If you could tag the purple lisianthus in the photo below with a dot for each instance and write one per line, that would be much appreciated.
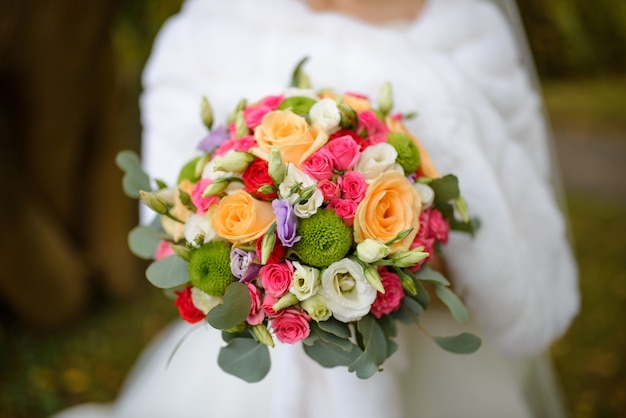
(286, 222)
(214, 139)
(241, 265)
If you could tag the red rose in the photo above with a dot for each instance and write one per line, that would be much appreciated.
(257, 175)
(391, 300)
(186, 308)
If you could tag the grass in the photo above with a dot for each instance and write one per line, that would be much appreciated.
(44, 372)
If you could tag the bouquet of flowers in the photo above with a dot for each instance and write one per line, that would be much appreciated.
(309, 217)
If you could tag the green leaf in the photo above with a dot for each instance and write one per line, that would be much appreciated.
(168, 272)
(412, 306)
(446, 188)
(422, 297)
(388, 325)
(426, 274)
(318, 334)
(374, 345)
(452, 301)
(299, 105)
(330, 355)
(245, 359)
(464, 343)
(335, 327)
(234, 310)
(135, 178)
(229, 336)
(144, 240)
(447, 210)
(188, 172)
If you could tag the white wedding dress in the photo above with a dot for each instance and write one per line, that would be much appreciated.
(479, 117)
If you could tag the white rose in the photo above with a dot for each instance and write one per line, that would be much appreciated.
(204, 302)
(317, 308)
(348, 294)
(198, 225)
(305, 281)
(427, 194)
(375, 160)
(325, 114)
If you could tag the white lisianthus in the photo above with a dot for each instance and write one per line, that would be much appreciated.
(305, 281)
(372, 250)
(198, 225)
(375, 160)
(325, 114)
(348, 294)
(203, 301)
(307, 208)
(317, 308)
(427, 194)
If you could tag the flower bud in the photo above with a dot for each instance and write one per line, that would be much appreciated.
(262, 335)
(241, 127)
(385, 98)
(206, 112)
(409, 258)
(373, 278)
(267, 245)
(349, 119)
(240, 107)
(181, 251)
(427, 194)
(286, 301)
(217, 187)
(461, 206)
(154, 202)
(234, 162)
(266, 189)
(276, 166)
(371, 250)
(317, 308)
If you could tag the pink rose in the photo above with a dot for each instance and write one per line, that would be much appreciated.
(291, 326)
(254, 115)
(353, 186)
(244, 143)
(202, 203)
(272, 101)
(345, 152)
(256, 315)
(268, 306)
(319, 165)
(186, 308)
(276, 278)
(439, 226)
(345, 209)
(376, 130)
(391, 300)
(330, 190)
(164, 249)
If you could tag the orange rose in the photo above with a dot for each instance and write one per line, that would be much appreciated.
(426, 165)
(289, 132)
(173, 228)
(391, 205)
(240, 218)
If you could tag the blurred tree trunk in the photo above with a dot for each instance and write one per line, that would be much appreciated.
(64, 217)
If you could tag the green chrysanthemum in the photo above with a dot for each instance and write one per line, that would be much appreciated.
(408, 153)
(209, 268)
(324, 239)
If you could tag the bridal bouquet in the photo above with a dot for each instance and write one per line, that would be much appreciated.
(308, 217)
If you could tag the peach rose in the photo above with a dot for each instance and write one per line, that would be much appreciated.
(426, 165)
(240, 218)
(391, 205)
(357, 102)
(288, 131)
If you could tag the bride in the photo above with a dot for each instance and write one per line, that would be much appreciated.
(454, 62)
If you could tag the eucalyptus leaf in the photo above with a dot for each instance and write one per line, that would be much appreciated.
(464, 343)
(446, 188)
(135, 178)
(412, 306)
(233, 310)
(365, 366)
(392, 347)
(317, 334)
(335, 327)
(422, 297)
(331, 355)
(374, 341)
(245, 359)
(144, 240)
(168, 272)
(229, 336)
(388, 325)
(452, 301)
(426, 274)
